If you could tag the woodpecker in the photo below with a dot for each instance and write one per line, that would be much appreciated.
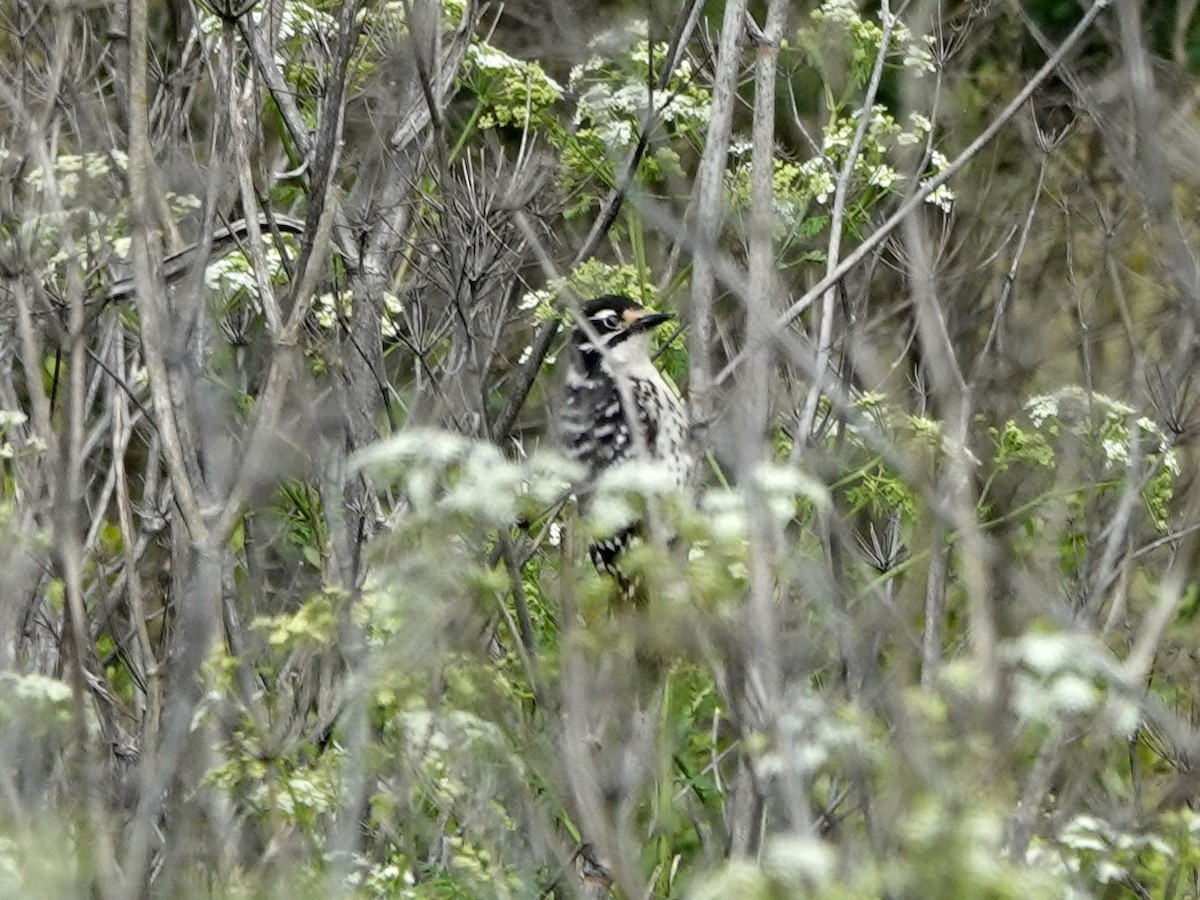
(618, 406)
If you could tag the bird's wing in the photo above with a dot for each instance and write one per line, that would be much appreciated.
(597, 430)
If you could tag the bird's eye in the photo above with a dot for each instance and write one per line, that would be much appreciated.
(605, 319)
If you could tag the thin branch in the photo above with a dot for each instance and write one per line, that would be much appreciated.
(710, 182)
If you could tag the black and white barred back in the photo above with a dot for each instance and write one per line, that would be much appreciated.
(608, 369)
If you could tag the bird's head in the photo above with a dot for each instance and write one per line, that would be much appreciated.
(614, 319)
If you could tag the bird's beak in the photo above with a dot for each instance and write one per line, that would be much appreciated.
(645, 319)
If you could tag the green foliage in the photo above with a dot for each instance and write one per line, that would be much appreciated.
(510, 92)
(1015, 446)
(837, 39)
(232, 279)
(614, 105)
(1113, 441)
(424, 697)
(591, 278)
(27, 870)
(839, 32)
(314, 624)
(76, 220)
(37, 705)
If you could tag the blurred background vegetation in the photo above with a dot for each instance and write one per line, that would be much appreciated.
(295, 598)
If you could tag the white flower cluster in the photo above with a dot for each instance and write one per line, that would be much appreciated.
(782, 485)
(70, 169)
(34, 688)
(615, 99)
(447, 474)
(1087, 836)
(83, 195)
(800, 859)
(616, 114)
(916, 54)
(725, 517)
(294, 19)
(485, 57)
(841, 12)
(810, 736)
(818, 178)
(618, 489)
(234, 273)
(942, 196)
(610, 43)
(818, 175)
(330, 307)
(874, 169)
(1071, 404)
(295, 792)
(9, 418)
(1064, 674)
(93, 165)
(1082, 412)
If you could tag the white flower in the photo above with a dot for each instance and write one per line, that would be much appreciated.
(1115, 451)
(1041, 407)
(1087, 833)
(532, 299)
(726, 514)
(882, 123)
(943, 198)
(919, 60)
(617, 133)
(838, 134)
(36, 178)
(818, 179)
(592, 64)
(884, 176)
(1073, 694)
(487, 487)
(68, 185)
(39, 688)
(631, 99)
(801, 858)
(1122, 716)
(485, 56)
(609, 514)
(646, 479)
(1046, 653)
(1170, 462)
(325, 310)
(843, 12)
